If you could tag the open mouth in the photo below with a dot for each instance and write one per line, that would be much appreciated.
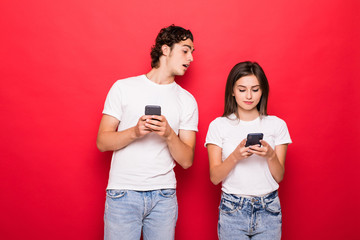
(186, 65)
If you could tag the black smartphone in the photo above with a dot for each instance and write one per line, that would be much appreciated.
(152, 110)
(254, 139)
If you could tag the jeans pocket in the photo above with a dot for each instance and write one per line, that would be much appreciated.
(227, 206)
(168, 193)
(274, 206)
(115, 193)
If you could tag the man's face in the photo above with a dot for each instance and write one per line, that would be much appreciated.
(180, 57)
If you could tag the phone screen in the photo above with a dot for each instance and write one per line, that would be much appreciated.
(152, 110)
(253, 139)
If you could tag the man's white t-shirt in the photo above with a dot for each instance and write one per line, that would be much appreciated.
(146, 164)
(251, 176)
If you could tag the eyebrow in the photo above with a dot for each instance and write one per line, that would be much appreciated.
(191, 48)
(246, 86)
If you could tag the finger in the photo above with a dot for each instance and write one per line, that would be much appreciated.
(156, 117)
(153, 122)
(243, 142)
(264, 143)
(256, 148)
(144, 117)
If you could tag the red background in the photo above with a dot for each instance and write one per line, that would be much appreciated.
(60, 58)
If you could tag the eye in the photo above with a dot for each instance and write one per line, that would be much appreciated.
(185, 51)
(242, 90)
(256, 90)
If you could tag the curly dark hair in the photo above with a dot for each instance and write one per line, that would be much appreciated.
(168, 36)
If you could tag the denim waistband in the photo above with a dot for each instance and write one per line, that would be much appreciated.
(254, 200)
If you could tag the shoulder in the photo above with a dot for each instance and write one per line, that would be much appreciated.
(221, 122)
(184, 94)
(128, 81)
(273, 120)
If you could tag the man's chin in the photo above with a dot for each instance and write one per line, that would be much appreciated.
(181, 73)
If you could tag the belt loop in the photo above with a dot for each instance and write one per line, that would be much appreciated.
(263, 202)
(241, 202)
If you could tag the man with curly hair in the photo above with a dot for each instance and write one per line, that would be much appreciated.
(141, 195)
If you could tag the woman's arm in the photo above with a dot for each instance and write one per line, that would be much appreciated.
(275, 158)
(220, 169)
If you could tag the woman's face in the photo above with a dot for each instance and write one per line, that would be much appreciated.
(247, 93)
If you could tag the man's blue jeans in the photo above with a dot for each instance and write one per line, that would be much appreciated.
(128, 212)
(257, 218)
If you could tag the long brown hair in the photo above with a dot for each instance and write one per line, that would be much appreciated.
(240, 70)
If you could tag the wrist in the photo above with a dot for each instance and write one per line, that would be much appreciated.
(272, 157)
(134, 133)
(234, 157)
(170, 136)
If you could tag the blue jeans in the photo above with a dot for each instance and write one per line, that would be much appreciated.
(128, 213)
(254, 218)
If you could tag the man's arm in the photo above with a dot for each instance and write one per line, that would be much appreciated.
(181, 146)
(109, 139)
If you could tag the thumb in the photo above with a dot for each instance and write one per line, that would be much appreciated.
(242, 143)
(264, 143)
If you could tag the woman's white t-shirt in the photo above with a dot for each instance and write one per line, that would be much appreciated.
(251, 176)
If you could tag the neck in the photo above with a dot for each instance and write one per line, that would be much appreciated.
(248, 115)
(160, 76)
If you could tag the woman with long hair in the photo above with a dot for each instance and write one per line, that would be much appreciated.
(250, 175)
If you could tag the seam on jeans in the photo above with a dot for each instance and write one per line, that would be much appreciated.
(119, 194)
(167, 196)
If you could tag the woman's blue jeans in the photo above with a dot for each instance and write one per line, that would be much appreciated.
(257, 218)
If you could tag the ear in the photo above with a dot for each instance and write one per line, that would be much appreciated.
(165, 49)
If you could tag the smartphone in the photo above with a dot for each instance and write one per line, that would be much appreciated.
(254, 139)
(152, 110)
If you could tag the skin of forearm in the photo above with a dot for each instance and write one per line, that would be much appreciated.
(276, 169)
(182, 153)
(219, 172)
(112, 141)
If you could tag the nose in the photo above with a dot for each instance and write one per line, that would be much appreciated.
(190, 57)
(248, 94)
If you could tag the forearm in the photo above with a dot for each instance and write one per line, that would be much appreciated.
(112, 140)
(277, 170)
(219, 172)
(181, 152)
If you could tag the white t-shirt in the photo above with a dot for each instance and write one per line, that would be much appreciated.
(146, 164)
(251, 176)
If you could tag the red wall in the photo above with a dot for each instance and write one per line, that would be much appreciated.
(58, 60)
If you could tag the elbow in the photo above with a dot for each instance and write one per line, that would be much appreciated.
(187, 165)
(214, 180)
(100, 146)
(279, 179)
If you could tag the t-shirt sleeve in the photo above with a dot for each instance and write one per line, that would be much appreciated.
(213, 135)
(190, 117)
(283, 136)
(113, 102)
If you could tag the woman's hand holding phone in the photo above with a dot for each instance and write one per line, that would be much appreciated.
(265, 151)
(241, 151)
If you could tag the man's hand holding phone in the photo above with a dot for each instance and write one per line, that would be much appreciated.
(155, 122)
